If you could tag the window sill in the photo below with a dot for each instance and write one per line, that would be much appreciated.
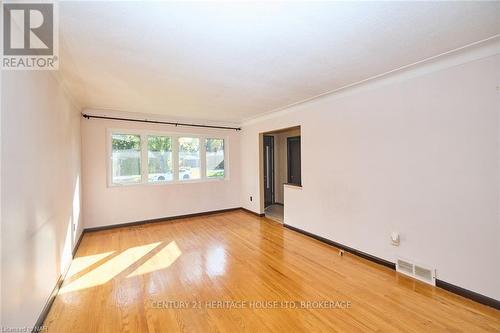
(174, 182)
(293, 185)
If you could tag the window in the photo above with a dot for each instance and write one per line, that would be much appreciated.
(293, 160)
(160, 159)
(189, 158)
(215, 158)
(137, 157)
(126, 158)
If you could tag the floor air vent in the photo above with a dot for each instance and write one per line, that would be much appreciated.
(416, 271)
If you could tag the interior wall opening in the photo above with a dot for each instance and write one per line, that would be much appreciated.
(281, 164)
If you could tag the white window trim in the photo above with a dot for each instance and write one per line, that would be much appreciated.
(175, 157)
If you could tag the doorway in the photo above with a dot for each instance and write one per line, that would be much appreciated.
(280, 165)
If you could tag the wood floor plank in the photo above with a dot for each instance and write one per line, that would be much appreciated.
(136, 279)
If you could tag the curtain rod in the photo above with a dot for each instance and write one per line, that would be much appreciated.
(88, 116)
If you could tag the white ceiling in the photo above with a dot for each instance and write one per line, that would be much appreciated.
(233, 61)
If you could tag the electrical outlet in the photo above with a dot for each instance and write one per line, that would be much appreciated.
(395, 239)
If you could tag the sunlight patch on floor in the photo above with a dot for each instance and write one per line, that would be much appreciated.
(216, 261)
(108, 270)
(81, 263)
(163, 259)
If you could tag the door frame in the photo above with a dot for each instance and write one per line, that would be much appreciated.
(273, 164)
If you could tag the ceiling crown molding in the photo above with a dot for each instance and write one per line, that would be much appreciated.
(471, 52)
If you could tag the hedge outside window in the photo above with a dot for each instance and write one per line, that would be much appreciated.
(156, 157)
(126, 158)
(160, 167)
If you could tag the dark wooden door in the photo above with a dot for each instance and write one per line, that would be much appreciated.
(268, 170)
(293, 160)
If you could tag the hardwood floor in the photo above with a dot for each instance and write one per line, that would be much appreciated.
(134, 279)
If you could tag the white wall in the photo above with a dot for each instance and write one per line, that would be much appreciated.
(105, 205)
(416, 153)
(1, 223)
(41, 220)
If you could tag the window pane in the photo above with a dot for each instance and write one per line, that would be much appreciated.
(189, 158)
(215, 158)
(160, 159)
(126, 158)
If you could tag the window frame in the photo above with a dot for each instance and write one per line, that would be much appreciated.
(175, 156)
(110, 158)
